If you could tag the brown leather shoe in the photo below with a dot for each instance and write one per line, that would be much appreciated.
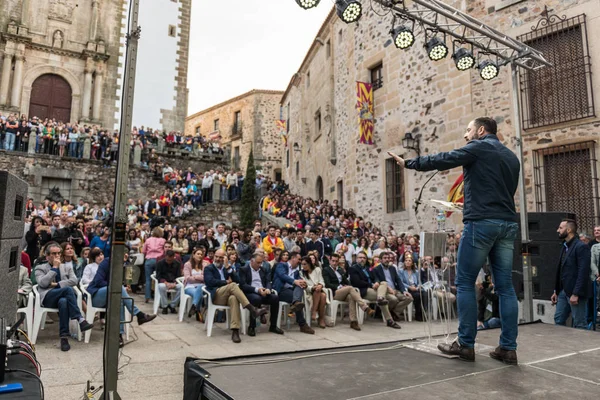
(307, 329)
(455, 349)
(506, 356)
(254, 312)
(354, 325)
(235, 336)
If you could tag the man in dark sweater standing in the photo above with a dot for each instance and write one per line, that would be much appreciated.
(491, 176)
(167, 271)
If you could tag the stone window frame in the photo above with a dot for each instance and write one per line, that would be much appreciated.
(216, 125)
(308, 79)
(318, 123)
(328, 48)
(172, 32)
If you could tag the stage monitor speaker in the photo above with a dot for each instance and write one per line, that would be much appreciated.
(544, 251)
(13, 195)
(543, 225)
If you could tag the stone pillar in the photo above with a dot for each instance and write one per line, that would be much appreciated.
(87, 149)
(137, 154)
(216, 192)
(97, 96)
(15, 98)
(6, 71)
(87, 95)
(94, 24)
(25, 13)
(32, 142)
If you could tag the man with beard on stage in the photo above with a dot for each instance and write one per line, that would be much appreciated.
(491, 176)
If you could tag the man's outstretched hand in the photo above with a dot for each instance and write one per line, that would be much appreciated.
(398, 159)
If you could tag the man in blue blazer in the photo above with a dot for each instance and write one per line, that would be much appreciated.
(290, 287)
(223, 286)
(573, 284)
(255, 285)
(399, 298)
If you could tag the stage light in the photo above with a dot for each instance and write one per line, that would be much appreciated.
(308, 4)
(403, 37)
(436, 49)
(348, 10)
(463, 59)
(488, 70)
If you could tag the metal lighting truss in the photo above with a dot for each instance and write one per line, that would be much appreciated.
(436, 16)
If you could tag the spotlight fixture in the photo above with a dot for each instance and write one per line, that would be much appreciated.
(463, 59)
(436, 49)
(488, 70)
(348, 10)
(308, 4)
(403, 37)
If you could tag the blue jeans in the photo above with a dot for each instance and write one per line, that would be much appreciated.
(65, 300)
(196, 293)
(149, 267)
(482, 239)
(100, 300)
(73, 149)
(9, 141)
(577, 311)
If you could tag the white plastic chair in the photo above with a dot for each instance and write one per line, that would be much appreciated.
(211, 311)
(283, 310)
(156, 303)
(335, 304)
(91, 314)
(28, 311)
(39, 315)
(185, 302)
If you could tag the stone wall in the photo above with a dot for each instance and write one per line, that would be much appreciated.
(432, 100)
(259, 112)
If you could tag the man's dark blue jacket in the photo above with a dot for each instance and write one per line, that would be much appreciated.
(491, 176)
(573, 276)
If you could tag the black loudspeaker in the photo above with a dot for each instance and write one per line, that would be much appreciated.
(13, 195)
(544, 251)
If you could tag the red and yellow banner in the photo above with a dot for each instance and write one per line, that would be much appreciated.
(364, 105)
(457, 193)
(282, 128)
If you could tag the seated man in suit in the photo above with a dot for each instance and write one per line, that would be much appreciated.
(336, 279)
(55, 286)
(361, 278)
(254, 284)
(287, 283)
(224, 290)
(398, 296)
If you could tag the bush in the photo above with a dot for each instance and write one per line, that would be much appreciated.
(249, 205)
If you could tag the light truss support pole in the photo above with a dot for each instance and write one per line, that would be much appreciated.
(119, 229)
(525, 257)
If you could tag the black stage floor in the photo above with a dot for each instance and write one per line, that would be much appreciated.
(554, 363)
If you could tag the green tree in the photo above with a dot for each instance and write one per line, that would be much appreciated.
(249, 205)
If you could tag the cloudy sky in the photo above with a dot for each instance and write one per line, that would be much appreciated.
(239, 45)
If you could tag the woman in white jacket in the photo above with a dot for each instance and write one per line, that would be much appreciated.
(315, 290)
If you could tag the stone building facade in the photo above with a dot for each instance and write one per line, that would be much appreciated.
(243, 123)
(61, 59)
(434, 102)
(161, 92)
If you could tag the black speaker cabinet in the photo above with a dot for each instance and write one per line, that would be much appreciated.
(544, 251)
(13, 195)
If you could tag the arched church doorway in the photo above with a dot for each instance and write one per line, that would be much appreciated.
(51, 98)
(319, 188)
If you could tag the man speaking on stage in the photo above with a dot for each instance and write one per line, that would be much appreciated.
(491, 176)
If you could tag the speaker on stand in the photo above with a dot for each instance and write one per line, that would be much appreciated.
(13, 195)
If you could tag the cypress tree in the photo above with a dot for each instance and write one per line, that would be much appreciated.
(249, 205)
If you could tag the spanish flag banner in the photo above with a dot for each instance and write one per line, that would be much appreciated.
(364, 105)
(456, 193)
(282, 128)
